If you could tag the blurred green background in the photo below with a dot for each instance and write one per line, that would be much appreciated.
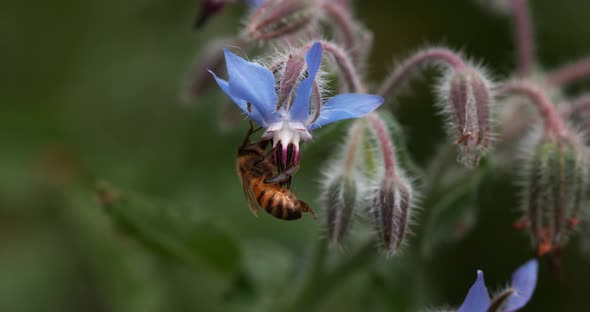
(93, 90)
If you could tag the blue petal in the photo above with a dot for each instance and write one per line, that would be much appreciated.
(254, 84)
(347, 105)
(300, 108)
(255, 3)
(524, 281)
(477, 299)
(254, 115)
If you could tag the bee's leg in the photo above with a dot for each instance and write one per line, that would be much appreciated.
(249, 133)
(268, 154)
(292, 170)
(283, 176)
(305, 208)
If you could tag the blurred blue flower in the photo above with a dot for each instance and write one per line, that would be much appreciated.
(524, 281)
(253, 88)
(477, 298)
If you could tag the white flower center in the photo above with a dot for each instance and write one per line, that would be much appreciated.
(287, 132)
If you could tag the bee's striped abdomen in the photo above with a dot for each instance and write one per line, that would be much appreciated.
(278, 202)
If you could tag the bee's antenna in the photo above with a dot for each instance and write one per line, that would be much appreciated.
(250, 132)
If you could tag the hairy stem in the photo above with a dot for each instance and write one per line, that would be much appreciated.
(553, 123)
(325, 282)
(414, 62)
(344, 62)
(569, 73)
(353, 146)
(524, 38)
(313, 274)
(387, 150)
(346, 66)
(344, 22)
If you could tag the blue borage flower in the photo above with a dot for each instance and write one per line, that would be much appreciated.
(252, 88)
(524, 281)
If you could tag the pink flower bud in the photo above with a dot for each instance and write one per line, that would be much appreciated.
(391, 209)
(468, 99)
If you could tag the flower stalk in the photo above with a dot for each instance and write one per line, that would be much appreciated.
(553, 123)
(524, 37)
(344, 63)
(569, 73)
(392, 198)
(405, 70)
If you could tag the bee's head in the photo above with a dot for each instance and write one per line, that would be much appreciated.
(249, 148)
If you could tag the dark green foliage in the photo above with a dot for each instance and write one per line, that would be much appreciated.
(171, 232)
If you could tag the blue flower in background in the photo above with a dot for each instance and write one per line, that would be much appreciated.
(252, 88)
(524, 281)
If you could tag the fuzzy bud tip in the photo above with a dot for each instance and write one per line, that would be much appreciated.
(391, 208)
(466, 101)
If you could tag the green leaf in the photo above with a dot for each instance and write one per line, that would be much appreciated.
(172, 232)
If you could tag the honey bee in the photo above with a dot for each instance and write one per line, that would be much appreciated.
(262, 187)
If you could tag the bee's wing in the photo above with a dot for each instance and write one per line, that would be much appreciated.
(254, 207)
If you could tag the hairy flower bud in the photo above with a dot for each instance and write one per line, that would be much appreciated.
(341, 186)
(391, 200)
(391, 210)
(278, 18)
(340, 200)
(294, 67)
(556, 183)
(468, 99)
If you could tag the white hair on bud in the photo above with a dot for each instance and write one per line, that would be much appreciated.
(468, 154)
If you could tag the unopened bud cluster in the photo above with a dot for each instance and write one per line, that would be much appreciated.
(371, 173)
(389, 199)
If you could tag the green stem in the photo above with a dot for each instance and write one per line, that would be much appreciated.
(345, 269)
(314, 273)
(319, 281)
